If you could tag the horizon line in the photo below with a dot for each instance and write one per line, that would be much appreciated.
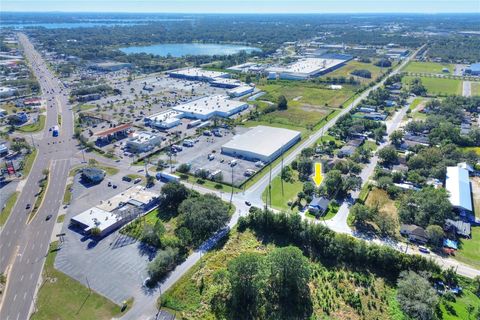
(249, 13)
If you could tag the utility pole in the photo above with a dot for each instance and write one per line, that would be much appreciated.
(231, 195)
(270, 184)
(281, 175)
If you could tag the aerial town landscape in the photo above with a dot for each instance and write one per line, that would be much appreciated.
(179, 163)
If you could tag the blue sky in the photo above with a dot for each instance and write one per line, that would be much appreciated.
(245, 6)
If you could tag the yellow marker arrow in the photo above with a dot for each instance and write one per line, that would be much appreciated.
(317, 175)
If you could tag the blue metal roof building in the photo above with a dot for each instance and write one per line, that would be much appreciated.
(474, 69)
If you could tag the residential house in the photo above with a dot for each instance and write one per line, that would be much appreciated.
(414, 233)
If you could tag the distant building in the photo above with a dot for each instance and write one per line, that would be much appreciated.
(20, 117)
(164, 120)
(240, 91)
(3, 149)
(143, 141)
(457, 183)
(473, 69)
(197, 74)
(7, 92)
(310, 67)
(208, 107)
(414, 233)
(110, 66)
(225, 83)
(115, 133)
(93, 175)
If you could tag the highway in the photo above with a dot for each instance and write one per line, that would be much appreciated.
(24, 245)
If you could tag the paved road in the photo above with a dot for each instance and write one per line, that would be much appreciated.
(24, 245)
(467, 89)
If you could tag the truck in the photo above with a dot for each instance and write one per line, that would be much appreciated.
(167, 177)
(55, 131)
(194, 123)
(233, 163)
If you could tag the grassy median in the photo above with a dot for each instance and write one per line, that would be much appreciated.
(5, 213)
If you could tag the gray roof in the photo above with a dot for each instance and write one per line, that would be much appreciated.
(461, 227)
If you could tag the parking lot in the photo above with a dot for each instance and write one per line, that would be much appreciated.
(198, 157)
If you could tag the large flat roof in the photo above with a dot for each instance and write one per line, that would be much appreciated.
(137, 193)
(207, 105)
(308, 66)
(457, 184)
(262, 140)
(168, 116)
(97, 218)
(199, 73)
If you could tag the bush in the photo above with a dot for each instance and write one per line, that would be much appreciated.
(362, 73)
(164, 262)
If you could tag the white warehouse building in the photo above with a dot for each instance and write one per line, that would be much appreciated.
(198, 74)
(208, 107)
(261, 143)
(309, 67)
(457, 183)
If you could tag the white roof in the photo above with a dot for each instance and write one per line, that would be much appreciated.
(308, 66)
(198, 72)
(227, 81)
(143, 137)
(457, 184)
(262, 140)
(137, 193)
(169, 116)
(208, 105)
(239, 90)
(97, 218)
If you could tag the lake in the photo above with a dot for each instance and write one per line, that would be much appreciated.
(194, 49)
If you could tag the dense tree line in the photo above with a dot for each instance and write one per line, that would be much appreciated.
(319, 242)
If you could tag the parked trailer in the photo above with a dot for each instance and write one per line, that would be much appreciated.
(193, 123)
(167, 177)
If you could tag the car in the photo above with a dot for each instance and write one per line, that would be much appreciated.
(248, 203)
(137, 180)
(423, 249)
(109, 184)
(28, 206)
(114, 186)
(48, 217)
(147, 282)
(126, 178)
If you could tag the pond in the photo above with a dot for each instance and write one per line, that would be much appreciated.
(194, 49)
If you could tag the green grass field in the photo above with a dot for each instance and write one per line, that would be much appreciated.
(428, 67)
(61, 297)
(34, 127)
(290, 191)
(347, 69)
(469, 252)
(5, 213)
(438, 86)
(308, 103)
(475, 88)
(460, 307)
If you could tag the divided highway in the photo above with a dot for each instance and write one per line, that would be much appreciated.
(24, 245)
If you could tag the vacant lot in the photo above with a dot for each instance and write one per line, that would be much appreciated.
(438, 86)
(308, 103)
(61, 297)
(346, 71)
(475, 88)
(428, 67)
(330, 289)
